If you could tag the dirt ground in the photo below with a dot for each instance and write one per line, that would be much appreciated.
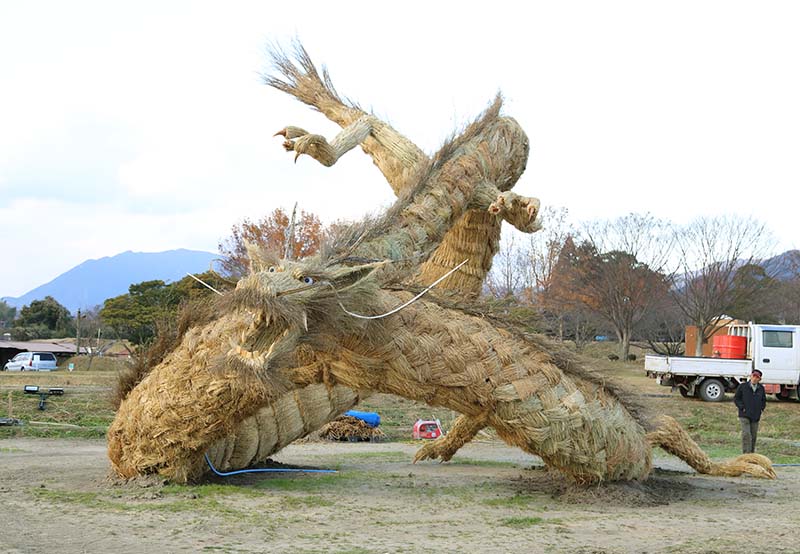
(56, 497)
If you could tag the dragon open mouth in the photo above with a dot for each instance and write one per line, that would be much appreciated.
(260, 340)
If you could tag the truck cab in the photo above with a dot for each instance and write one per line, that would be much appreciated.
(776, 351)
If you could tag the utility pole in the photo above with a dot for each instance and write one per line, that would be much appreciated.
(78, 334)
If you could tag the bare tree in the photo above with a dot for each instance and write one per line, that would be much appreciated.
(541, 254)
(662, 328)
(619, 271)
(507, 275)
(542, 248)
(524, 265)
(710, 251)
(788, 291)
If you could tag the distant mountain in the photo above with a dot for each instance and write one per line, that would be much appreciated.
(783, 266)
(90, 283)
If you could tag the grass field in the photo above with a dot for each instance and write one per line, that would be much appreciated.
(85, 409)
(491, 498)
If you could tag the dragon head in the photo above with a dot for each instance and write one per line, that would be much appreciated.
(293, 302)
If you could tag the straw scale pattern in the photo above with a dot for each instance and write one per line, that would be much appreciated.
(461, 362)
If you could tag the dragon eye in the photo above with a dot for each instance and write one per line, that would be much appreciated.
(272, 269)
(308, 280)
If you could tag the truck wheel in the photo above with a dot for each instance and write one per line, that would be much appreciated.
(712, 390)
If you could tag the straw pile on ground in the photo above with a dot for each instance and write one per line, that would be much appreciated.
(350, 428)
(291, 325)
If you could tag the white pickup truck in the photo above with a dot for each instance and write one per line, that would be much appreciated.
(773, 349)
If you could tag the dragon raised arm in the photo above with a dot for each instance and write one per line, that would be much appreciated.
(484, 162)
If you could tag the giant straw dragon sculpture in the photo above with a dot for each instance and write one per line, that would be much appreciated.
(299, 342)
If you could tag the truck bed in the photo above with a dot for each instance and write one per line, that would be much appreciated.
(690, 365)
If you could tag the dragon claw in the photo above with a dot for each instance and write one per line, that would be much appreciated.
(507, 201)
(438, 449)
(521, 211)
(290, 133)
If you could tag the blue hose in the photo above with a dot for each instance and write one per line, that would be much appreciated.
(785, 465)
(265, 470)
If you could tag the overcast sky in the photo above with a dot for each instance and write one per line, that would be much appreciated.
(145, 126)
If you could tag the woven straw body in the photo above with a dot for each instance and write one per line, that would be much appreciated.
(284, 359)
(427, 353)
(278, 424)
(446, 358)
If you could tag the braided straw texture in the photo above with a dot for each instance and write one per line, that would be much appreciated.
(195, 402)
(446, 358)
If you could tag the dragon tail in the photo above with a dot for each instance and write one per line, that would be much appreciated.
(673, 438)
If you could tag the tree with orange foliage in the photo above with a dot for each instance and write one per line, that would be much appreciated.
(564, 303)
(615, 272)
(290, 237)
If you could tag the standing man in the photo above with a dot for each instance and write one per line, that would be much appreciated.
(751, 399)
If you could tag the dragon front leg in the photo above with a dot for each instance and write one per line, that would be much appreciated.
(327, 153)
(464, 430)
(519, 211)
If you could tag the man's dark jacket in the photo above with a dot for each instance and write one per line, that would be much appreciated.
(750, 403)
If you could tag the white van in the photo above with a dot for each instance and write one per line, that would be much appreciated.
(32, 361)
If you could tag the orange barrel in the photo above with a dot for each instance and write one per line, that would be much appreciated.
(729, 346)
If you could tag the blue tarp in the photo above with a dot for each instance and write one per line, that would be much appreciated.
(370, 418)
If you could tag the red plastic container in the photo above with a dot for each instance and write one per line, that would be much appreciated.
(729, 346)
(426, 430)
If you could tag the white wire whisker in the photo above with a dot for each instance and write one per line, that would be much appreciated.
(398, 308)
(204, 283)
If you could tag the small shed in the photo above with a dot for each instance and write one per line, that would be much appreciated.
(10, 348)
